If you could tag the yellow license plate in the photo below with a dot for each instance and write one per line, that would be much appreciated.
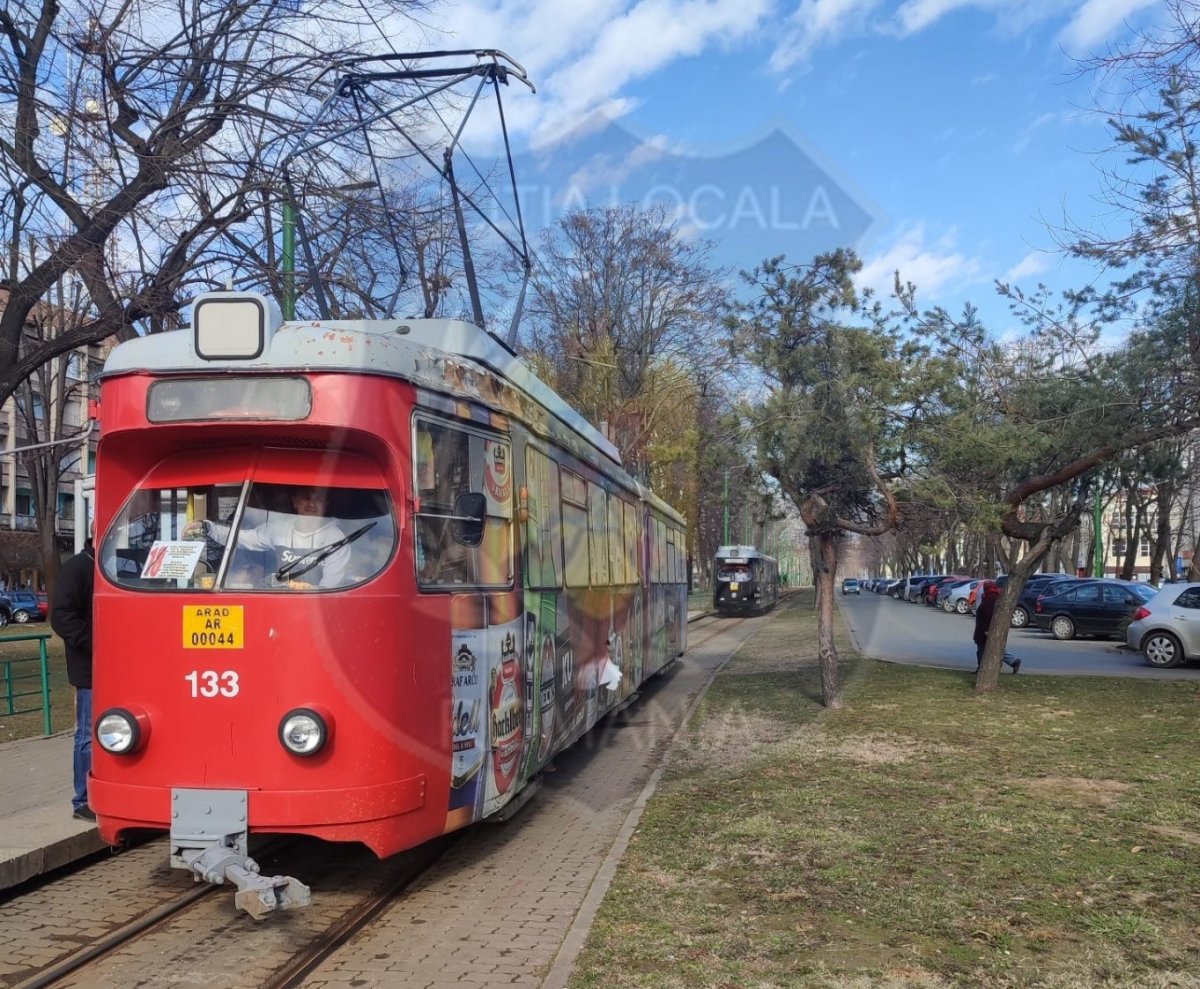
(207, 626)
(733, 585)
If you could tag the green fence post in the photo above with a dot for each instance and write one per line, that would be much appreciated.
(45, 657)
(8, 686)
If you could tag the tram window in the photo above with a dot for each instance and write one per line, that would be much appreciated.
(543, 533)
(239, 536)
(575, 529)
(449, 462)
(632, 531)
(616, 532)
(670, 577)
(660, 550)
(301, 537)
(598, 534)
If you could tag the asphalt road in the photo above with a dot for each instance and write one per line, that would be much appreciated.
(915, 633)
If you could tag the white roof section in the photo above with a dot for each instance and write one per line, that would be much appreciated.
(737, 551)
(445, 355)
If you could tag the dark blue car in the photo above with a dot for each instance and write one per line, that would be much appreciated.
(20, 607)
(1090, 607)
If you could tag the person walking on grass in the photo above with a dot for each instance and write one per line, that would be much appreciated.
(989, 593)
(71, 618)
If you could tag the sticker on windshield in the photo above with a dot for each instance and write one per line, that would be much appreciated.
(172, 560)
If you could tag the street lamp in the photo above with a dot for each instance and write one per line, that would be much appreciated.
(725, 496)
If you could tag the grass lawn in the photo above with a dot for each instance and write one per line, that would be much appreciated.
(62, 699)
(1047, 836)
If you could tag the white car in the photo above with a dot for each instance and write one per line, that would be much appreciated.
(959, 598)
(1166, 629)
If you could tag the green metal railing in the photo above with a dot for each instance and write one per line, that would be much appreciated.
(15, 679)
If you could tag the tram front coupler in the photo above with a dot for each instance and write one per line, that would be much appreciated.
(257, 894)
(210, 839)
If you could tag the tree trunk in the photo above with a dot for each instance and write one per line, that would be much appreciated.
(1193, 573)
(988, 677)
(826, 575)
(1133, 533)
(1162, 537)
(48, 544)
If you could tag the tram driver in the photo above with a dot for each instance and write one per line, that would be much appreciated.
(294, 539)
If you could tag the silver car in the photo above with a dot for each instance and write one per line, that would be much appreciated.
(1166, 629)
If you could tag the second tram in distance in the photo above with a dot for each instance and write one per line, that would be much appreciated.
(744, 580)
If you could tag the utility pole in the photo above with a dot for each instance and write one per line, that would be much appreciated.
(289, 260)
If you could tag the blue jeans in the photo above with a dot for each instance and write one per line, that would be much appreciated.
(1008, 657)
(83, 745)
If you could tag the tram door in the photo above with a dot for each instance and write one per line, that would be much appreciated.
(462, 468)
(546, 636)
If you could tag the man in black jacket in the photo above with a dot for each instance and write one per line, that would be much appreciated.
(71, 618)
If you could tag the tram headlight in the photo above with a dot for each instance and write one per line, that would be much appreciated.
(304, 731)
(121, 731)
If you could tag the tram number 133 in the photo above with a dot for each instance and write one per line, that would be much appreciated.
(210, 683)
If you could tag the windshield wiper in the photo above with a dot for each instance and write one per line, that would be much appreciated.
(306, 563)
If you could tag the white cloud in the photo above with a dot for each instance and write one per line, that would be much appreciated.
(1096, 20)
(931, 268)
(816, 22)
(916, 15)
(1033, 127)
(582, 55)
(1033, 263)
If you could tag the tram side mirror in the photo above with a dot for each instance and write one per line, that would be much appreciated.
(470, 507)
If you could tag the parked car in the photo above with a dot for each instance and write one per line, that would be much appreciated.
(850, 586)
(1037, 585)
(43, 602)
(1166, 629)
(958, 597)
(23, 607)
(937, 589)
(915, 586)
(1089, 607)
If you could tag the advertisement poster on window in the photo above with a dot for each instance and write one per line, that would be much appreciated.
(497, 478)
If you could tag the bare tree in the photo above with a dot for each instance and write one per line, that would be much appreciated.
(139, 137)
(626, 321)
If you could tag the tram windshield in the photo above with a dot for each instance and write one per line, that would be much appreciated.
(249, 535)
(739, 573)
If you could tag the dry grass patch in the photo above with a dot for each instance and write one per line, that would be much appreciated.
(1076, 790)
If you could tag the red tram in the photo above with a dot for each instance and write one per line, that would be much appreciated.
(355, 579)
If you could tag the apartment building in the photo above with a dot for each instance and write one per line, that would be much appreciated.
(31, 417)
(1184, 527)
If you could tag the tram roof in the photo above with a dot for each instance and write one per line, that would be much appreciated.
(736, 552)
(444, 355)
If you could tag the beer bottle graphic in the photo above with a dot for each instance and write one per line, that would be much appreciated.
(569, 705)
(468, 711)
(547, 681)
(505, 697)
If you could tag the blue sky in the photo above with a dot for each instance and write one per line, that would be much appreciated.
(962, 125)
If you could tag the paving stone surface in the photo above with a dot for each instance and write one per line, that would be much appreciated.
(496, 909)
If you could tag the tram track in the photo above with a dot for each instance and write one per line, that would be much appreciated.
(196, 925)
